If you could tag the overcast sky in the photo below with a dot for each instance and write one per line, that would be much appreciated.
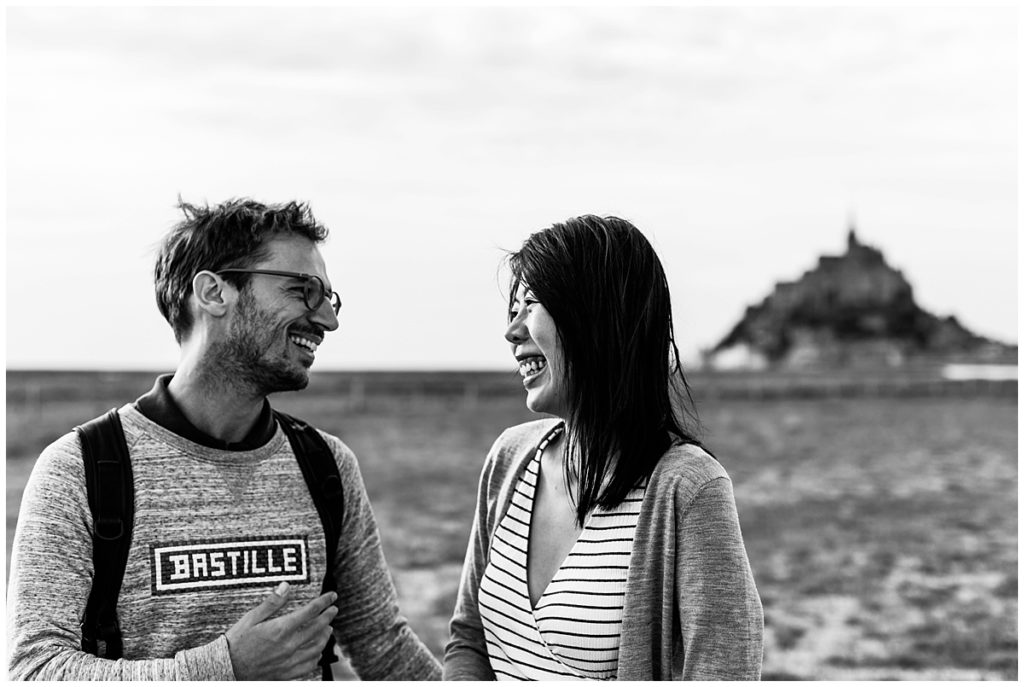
(740, 141)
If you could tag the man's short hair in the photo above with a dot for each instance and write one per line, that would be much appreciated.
(232, 234)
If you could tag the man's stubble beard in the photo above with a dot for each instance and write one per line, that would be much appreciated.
(246, 361)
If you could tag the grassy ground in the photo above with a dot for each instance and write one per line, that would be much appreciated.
(882, 532)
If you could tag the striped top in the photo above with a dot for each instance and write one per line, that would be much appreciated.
(573, 633)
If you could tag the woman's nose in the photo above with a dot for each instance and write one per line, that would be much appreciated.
(516, 332)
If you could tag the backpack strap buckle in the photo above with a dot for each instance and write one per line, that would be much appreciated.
(109, 529)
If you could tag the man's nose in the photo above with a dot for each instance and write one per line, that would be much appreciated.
(325, 316)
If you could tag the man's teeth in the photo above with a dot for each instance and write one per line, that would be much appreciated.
(305, 343)
(531, 366)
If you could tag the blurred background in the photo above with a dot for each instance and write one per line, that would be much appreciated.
(832, 191)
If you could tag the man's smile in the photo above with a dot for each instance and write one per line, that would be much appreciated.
(302, 341)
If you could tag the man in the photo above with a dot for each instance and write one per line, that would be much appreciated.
(219, 496)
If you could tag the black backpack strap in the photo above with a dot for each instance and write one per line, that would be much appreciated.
(111, 492)
(316, 460)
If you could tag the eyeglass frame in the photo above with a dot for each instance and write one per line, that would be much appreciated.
(326, 294)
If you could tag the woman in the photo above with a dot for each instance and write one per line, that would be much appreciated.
(606, 543)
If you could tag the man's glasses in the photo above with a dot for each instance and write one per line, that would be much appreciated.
(314, 291)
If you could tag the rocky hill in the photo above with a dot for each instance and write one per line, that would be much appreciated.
(850, 310)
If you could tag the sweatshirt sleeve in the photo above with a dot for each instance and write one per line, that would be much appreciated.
(376, 638)
(465, 656)
(720, 612)
(50, 579)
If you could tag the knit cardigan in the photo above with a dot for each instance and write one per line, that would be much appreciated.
(691, 609)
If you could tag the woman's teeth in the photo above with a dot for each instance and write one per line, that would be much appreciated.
(531, 366)
(305, 343)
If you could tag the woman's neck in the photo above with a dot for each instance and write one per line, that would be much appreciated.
(566, 450)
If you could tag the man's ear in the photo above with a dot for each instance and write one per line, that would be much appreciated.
(213, 294)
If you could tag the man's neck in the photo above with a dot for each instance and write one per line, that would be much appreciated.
(215, 406)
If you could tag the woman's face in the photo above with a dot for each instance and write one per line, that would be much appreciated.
(534, 339)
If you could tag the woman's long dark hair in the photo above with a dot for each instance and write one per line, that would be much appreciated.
(606, 291)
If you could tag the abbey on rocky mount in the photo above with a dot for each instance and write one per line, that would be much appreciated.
(851, 310)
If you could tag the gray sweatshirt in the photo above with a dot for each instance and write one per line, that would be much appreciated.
(691, 609)
(214, 532)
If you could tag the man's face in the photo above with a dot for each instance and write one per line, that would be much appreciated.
(273, 336)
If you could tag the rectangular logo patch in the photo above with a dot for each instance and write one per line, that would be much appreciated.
(212, 564)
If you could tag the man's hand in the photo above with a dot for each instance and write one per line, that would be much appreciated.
(285, 648)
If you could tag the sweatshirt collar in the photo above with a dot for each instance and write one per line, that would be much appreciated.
(159, 406)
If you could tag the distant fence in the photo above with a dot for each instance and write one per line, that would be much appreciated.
(897, 387)
(472, 387)
(30, 390)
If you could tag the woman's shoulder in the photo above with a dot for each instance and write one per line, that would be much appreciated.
(508, 457)
(688, 467)
(515, 444)
(526, 435)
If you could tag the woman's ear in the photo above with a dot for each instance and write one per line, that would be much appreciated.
(213, 295)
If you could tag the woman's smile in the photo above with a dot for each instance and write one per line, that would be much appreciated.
(531, 368)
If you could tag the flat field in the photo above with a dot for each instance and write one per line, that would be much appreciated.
(882, 531)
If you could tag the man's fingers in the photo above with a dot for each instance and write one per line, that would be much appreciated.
(319, 628)
(315, 642)
(271, 604)
(314, 608)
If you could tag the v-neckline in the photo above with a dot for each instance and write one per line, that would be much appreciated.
(541, 447)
